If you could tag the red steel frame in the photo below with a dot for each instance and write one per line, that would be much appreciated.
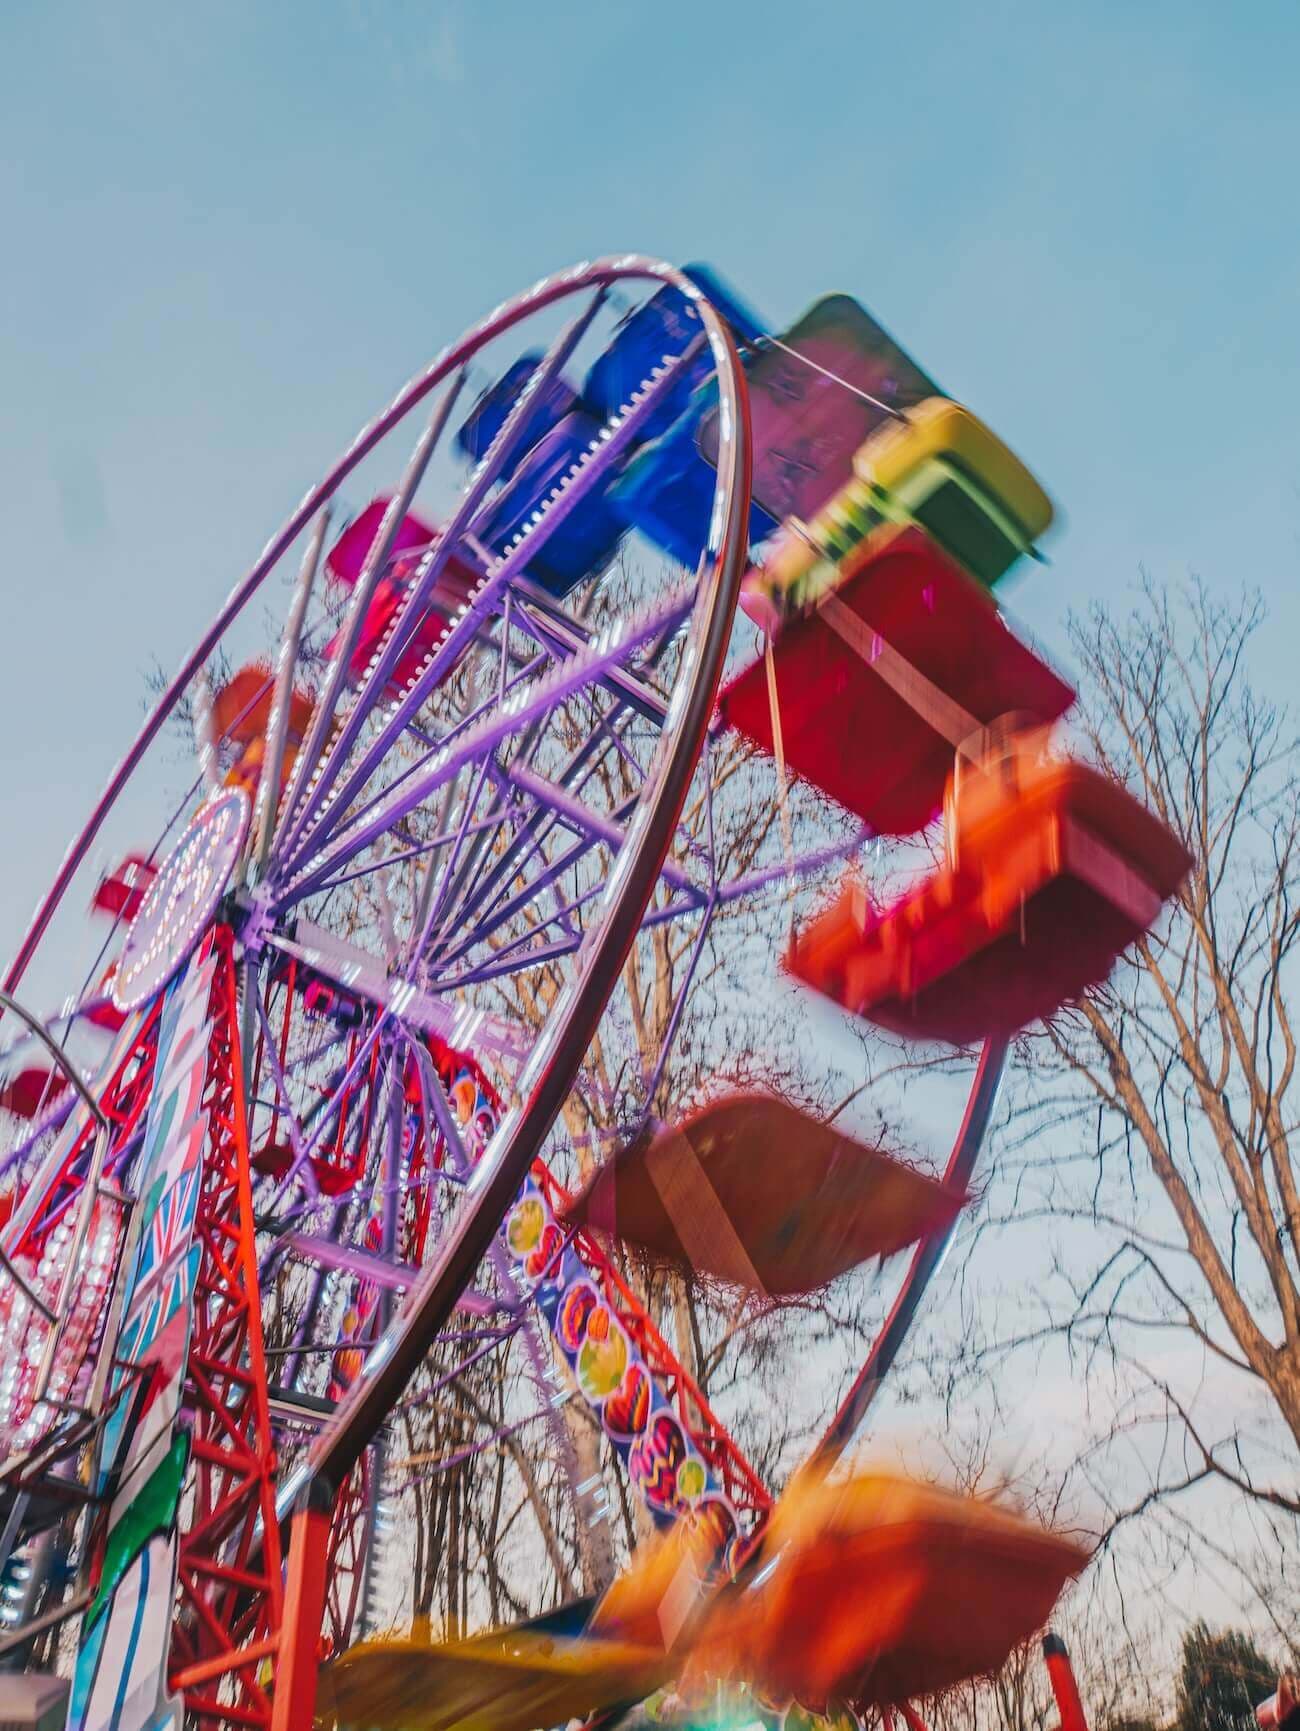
(229, 1601)
(347, 1562)
(229, 1575)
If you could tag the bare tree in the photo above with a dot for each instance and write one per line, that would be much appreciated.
(1148, 1146)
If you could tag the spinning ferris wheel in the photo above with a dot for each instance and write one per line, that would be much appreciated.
(351, 1100)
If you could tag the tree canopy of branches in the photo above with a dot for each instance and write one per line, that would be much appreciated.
(1149, 1141)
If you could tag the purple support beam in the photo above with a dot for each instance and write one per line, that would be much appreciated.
(364, 976)
(277, 727)
(593, 824)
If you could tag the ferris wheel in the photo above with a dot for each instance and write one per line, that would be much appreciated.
(375, 1088)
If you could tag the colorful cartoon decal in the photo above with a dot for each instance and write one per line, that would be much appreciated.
(663, 1463)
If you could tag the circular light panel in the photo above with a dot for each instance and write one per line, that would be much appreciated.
(182, 898)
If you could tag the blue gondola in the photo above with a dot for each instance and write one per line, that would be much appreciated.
(583, 544)
(486, 419)
(667, 490)
(657, 331)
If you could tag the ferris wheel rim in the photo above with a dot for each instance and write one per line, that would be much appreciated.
(709, 611)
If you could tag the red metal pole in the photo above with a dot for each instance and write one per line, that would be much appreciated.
(294, 1700)
(1064, 1687)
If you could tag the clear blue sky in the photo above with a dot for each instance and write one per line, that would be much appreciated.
(230, 231)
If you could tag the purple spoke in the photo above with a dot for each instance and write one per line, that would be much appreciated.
(512, 964)
(498, 912)
(277, 727)
(437, 891)
(488, 707)
(308, 770)
(470, 1450)
(546, 693)
(496, 883)
(591, 824)
(425, 1395)
(382, 1271)
(493, 820)
(556, 632)
(301, 1161)
(361, 975)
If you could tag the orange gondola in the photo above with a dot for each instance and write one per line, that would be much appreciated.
(1052, 872)
(879, 1589)
(753, 1190)
(241, 715)
(241, 710)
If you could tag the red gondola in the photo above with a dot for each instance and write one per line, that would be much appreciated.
(347, 556)
(29, 1091)
(120, 893)
(454, 585)
(1053, 871)
(879, 683)
(753, 1190)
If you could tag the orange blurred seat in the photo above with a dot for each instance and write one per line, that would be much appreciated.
(661, 1591)
(878, 1589)
(1053, 871)
(752, 1190)
(241, 710)
(241, 714)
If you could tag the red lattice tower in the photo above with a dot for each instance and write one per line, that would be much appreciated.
(229, 1581)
